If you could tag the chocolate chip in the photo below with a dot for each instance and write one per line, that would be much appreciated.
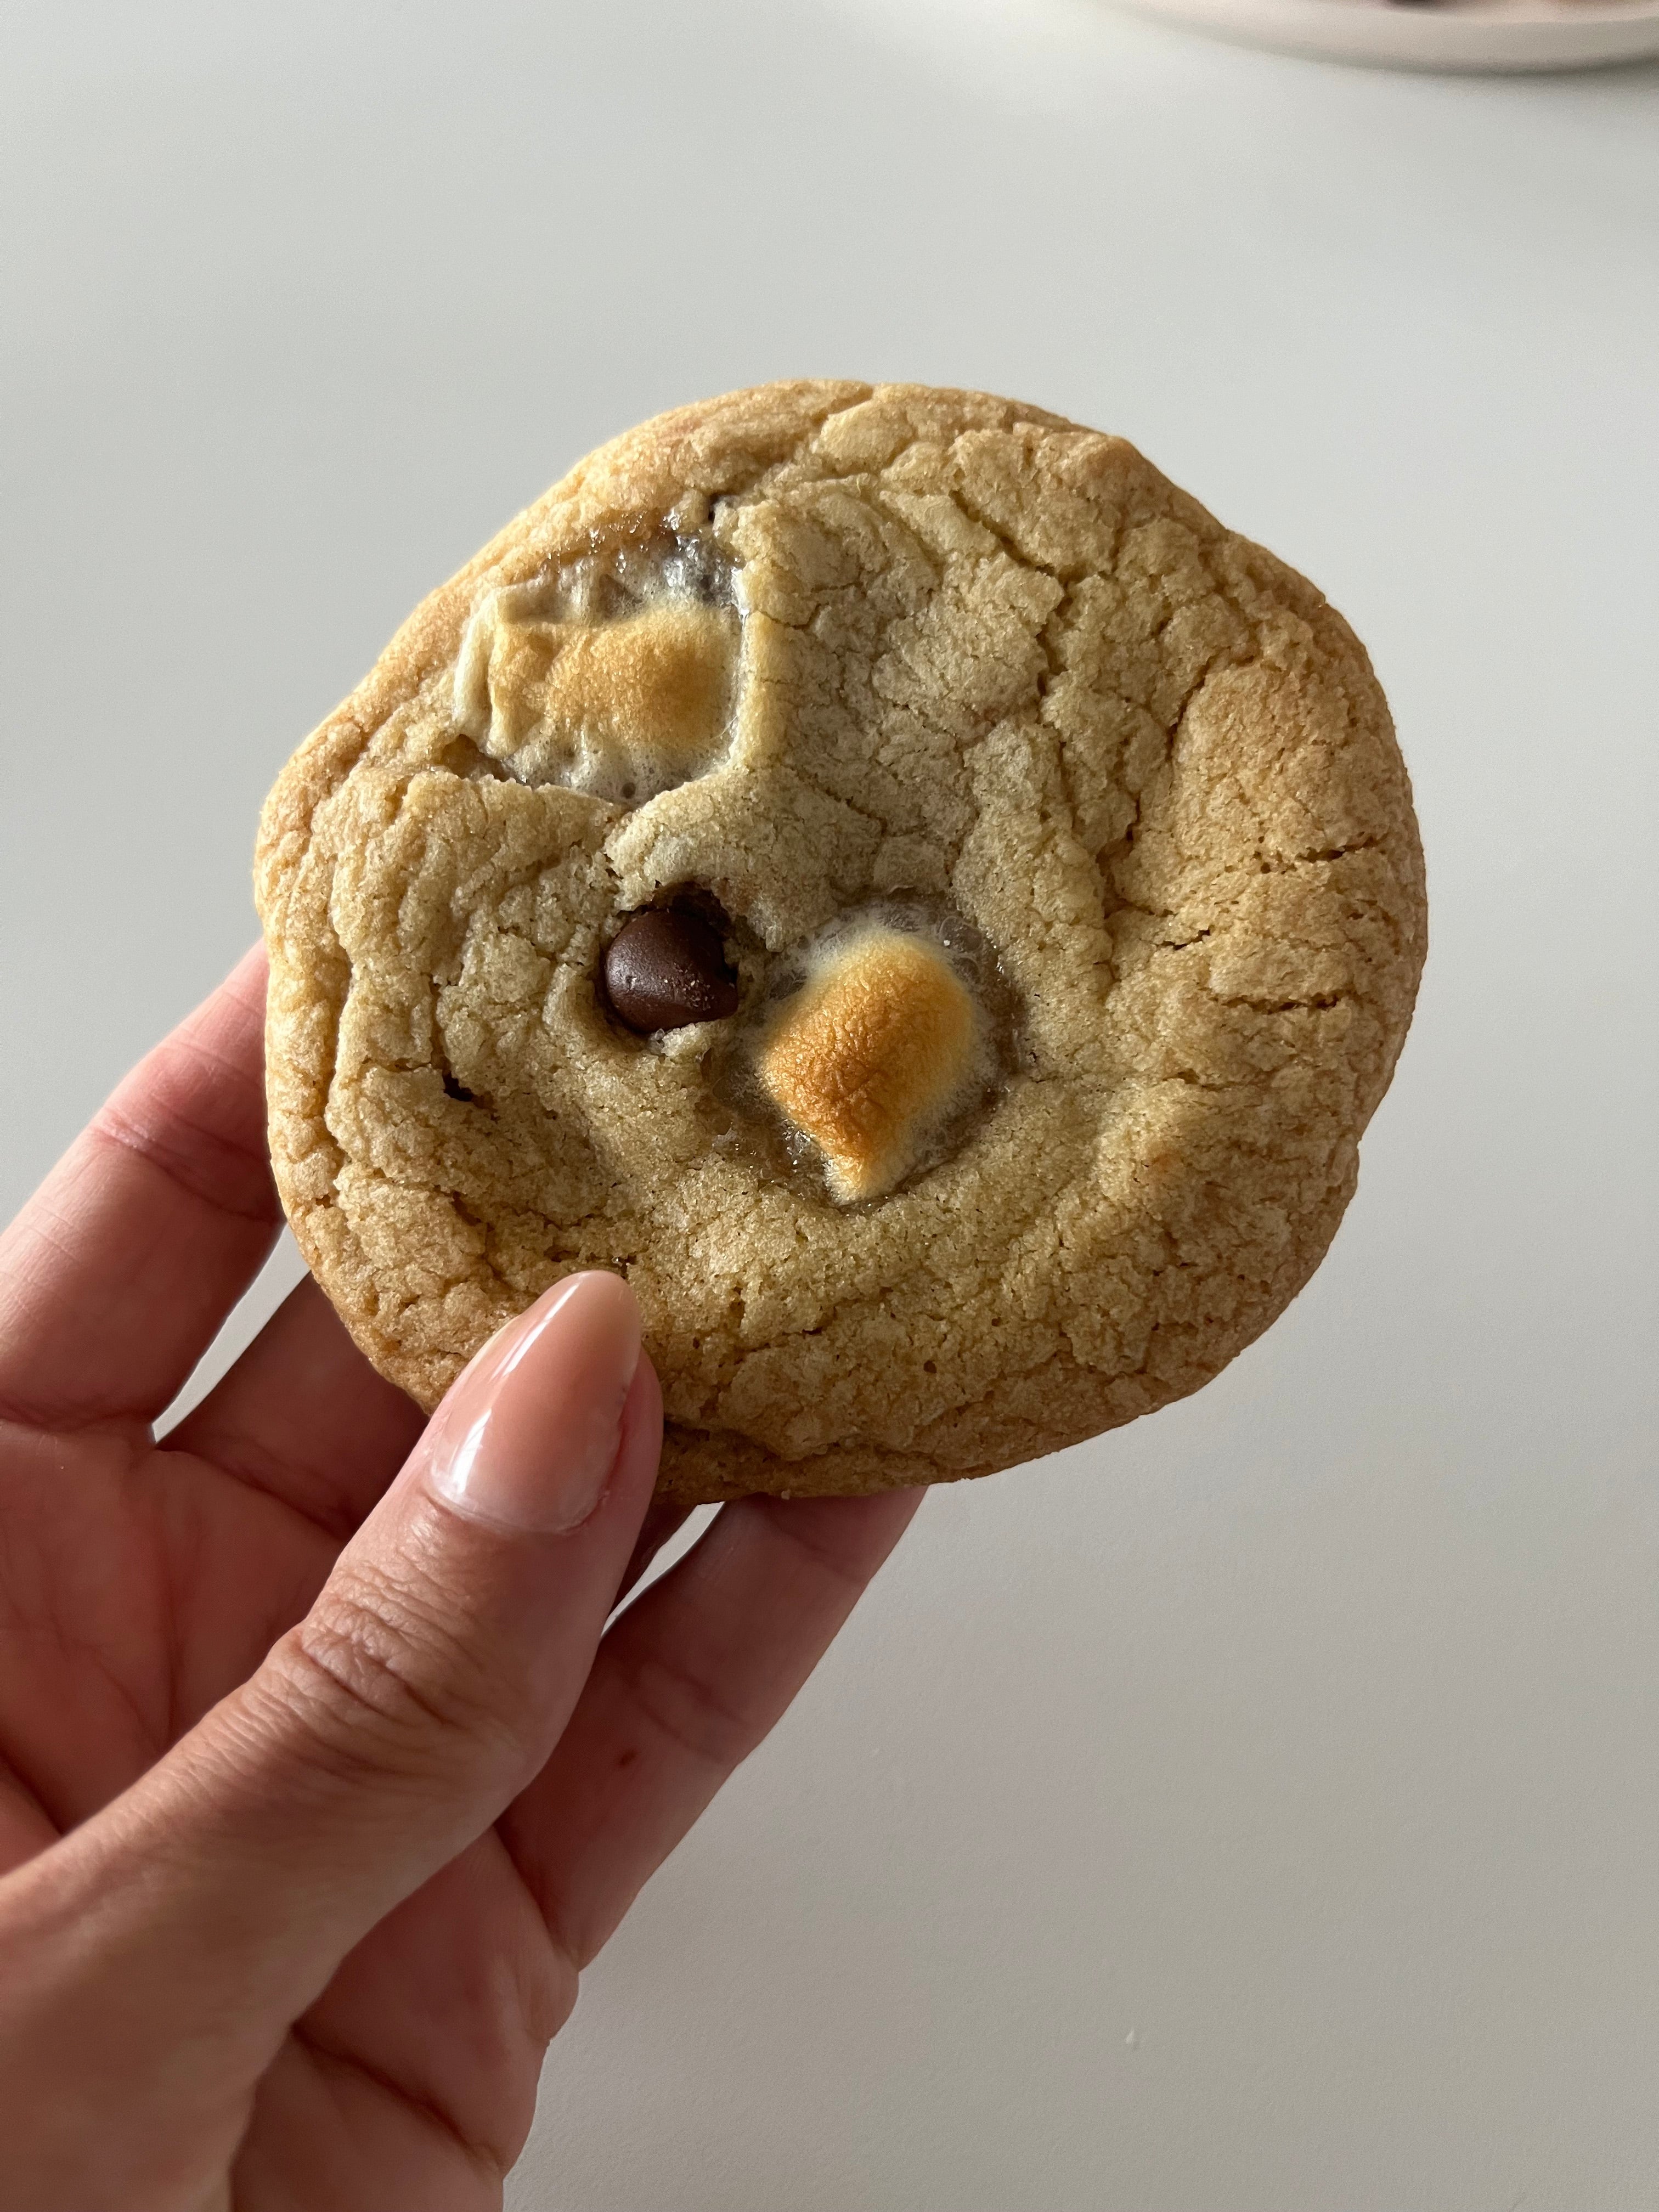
(666, 969)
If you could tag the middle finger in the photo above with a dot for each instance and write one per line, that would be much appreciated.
(687, 1682)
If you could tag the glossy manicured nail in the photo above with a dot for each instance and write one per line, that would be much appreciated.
(527, 1437)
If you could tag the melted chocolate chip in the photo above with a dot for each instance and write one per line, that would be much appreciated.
(666, 969)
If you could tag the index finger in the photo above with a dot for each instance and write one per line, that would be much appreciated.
(116, 1275)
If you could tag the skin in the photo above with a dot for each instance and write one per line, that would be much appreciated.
(319, 1786)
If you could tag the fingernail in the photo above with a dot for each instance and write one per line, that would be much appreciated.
(527, 1436)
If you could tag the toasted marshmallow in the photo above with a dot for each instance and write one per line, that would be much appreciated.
(623, 710)
(870, 1054)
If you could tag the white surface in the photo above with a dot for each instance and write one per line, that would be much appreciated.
(1254, 1810)
(1445, 34)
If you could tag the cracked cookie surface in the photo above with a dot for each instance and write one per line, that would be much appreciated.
(887, 644)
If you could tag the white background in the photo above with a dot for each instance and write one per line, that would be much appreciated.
(1259, 1808)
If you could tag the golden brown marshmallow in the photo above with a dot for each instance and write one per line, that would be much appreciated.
(623, 709)
(869, 1053)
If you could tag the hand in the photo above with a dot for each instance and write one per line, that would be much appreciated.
(322, 1776)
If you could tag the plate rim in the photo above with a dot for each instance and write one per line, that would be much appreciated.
(1482, 35)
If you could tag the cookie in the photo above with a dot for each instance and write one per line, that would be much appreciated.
(888, 873)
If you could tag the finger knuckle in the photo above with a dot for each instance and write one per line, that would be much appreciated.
(682, 1704)
(379, 1673)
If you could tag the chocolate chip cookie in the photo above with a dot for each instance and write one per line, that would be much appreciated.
(888, 872)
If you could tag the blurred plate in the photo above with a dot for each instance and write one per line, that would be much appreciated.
(1468, 34)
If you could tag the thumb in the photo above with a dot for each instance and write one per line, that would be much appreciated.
(424, 1689)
